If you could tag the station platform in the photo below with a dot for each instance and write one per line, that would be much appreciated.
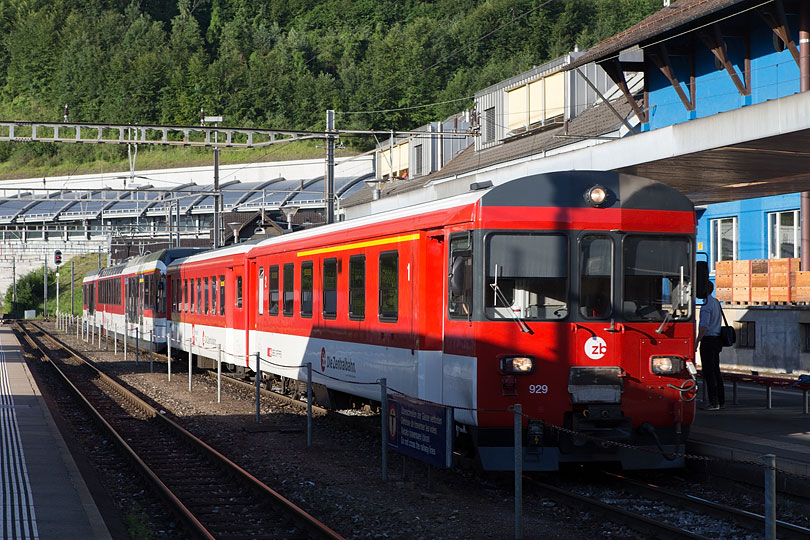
(44, 495)
(748, 430)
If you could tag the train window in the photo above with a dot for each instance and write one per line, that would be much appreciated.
(330, 272)
(306, 289)
(595, 272)
(260, 290)
(205, 294)
(213, 295)
(191, 295)
(289, 293)
(657, 278)
(272, 294)
(222, 295)
(460, 278)
(357, 287)
(389, 286)
(239, 291)
(199, 295)
(526, 276)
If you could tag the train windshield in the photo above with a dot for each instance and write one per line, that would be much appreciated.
(526, 276)
(657, 282)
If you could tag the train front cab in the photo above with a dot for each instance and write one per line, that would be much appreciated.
(587, 322)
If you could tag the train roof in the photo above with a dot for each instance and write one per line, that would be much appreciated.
(556, 189)
(150, 261)
(624, 191)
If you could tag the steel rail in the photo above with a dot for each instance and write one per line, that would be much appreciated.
(314, 527)
(639, 522)
(746, 519)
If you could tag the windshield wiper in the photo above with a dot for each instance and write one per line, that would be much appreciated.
(502, 298)
(666, 320)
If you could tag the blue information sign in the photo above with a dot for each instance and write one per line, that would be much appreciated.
(421, 430)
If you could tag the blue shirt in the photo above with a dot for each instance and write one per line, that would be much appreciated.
(711, 316)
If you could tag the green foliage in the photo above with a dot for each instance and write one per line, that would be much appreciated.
(277, 64)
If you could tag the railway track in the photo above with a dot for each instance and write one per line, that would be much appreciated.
(663, 513)
(213, 497)
(748, 520)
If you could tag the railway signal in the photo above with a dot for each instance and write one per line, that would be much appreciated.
(57, 257)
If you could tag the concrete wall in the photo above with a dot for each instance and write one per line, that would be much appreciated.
(779, 339)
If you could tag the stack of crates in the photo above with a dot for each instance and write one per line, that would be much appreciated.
(761, 281)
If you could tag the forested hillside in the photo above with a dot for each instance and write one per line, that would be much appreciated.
(276, 63)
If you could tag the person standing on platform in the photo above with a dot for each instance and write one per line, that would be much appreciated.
(710, 345)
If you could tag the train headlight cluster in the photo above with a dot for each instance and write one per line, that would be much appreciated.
(666, 365)
(596, 195)
(515, 365)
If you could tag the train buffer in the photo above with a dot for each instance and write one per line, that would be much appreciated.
(769, 382)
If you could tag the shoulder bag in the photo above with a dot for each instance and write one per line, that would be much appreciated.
(728, 336)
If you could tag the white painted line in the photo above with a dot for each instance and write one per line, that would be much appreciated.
(18, 515)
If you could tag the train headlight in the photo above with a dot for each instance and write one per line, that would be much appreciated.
(596, 195)
(517, 365)
(666, 365)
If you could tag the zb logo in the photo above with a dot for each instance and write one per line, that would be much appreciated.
(595, 348)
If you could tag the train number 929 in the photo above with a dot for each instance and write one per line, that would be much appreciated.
(538, 389)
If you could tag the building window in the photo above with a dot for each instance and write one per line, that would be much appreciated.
(489, 124)
(747, 336)
(289, 292)
(272, 309)
(306, 289)
(389, 286)
(330, 272)
(417, 167)
(357, 287)
(783, 235)
(723, 239)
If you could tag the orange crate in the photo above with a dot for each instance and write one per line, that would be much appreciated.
(741, 294)
(724, 281)
(780, 294)
(724, 267)
(741, 280)
(760, 280)
(801, 294)
(724, 294)
(741, 267)
(759, 266)
(760, 294)
(782, 280)
(803, 279)
(783, 266)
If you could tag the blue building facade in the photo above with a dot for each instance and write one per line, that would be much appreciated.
(738, 61)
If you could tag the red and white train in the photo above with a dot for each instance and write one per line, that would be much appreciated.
(569, 293)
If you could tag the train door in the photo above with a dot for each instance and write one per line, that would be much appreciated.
(428, 290)
(235, 339)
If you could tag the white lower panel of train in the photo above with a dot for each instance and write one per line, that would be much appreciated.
(148, 329)
(341, 365)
